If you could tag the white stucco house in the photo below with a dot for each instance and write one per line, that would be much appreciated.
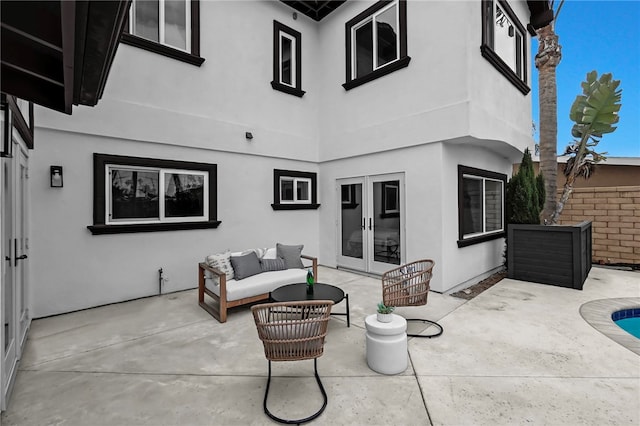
(373, 132)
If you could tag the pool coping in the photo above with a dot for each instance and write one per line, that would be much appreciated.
(598, 314)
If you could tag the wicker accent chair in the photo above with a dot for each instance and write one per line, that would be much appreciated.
(408, 285)
(293, 331)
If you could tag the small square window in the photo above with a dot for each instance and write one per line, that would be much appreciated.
(294, 190)
(287, 67)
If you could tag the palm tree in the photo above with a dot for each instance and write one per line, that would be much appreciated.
(547, 59)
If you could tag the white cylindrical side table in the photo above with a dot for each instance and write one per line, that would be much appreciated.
(386, 344)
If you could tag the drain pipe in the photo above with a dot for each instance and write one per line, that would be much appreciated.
(160, 279)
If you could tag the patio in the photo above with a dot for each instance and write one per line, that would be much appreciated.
(519, 353)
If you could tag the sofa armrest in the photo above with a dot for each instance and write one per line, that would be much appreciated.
(205, 267)
(314, 265)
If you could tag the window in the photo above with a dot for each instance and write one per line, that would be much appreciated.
(287, 68)
(134, 194)
(143, 195)
(376, 42)
(480, 205)
(168, 27)
(504, 42)
(294, 190)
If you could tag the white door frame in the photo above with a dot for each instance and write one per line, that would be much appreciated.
(369, 261)
(14, 231)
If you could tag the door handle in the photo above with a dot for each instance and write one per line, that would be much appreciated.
(24, 256)
(370, 224)
(364, 223)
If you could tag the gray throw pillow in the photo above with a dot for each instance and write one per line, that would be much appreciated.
(246, 265)
(272, 264)
(290, 255)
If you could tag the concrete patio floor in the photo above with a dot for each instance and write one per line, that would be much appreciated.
(519, 353)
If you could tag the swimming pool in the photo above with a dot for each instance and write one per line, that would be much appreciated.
(598, 314)
(628, 320)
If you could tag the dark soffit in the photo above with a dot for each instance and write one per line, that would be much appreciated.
(314, 9)
(58, 53)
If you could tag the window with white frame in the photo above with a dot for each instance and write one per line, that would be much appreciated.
(294, 190)
(133, 194)
(287, 67)
(150, 195)
(376, 42)
(504, 42)
(163, 21)
(167, 27)
(481, 205)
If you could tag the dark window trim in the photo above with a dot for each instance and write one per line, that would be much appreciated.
(275, 84)
(465, 170)
(490, 55)
(101, 161)
(278, 173)
(192, 58)
(403, 59)
(17, 120)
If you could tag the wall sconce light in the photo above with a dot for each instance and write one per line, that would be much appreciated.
(56, 177)
(248, 135)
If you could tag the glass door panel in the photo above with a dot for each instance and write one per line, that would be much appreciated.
(386, 222)
(352, 231)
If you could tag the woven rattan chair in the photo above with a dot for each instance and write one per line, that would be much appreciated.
(293, 331)
(408, 285)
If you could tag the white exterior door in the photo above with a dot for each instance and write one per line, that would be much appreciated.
(371, 222)
(14, 250)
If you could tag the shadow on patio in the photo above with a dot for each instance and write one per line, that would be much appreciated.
(517, 353)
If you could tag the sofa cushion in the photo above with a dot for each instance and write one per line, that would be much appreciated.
(270, 253)
(221, 261)
(291, 255)
(272, 264)
(246, 265)
(259, 284)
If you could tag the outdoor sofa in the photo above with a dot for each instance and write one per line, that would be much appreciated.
(232, 279)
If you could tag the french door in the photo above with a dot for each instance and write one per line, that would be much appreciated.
(370, 225)
(14, 232)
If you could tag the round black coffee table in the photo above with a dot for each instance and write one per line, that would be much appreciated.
(293, 292)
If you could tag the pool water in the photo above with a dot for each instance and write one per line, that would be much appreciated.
(628, 320)
(630, 325)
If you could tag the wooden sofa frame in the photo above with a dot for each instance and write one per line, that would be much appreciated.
(219, 312)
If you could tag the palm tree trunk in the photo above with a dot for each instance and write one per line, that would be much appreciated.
(547, 59)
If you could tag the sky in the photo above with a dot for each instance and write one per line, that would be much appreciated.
(603, 36)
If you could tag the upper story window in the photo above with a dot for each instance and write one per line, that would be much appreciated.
(133, 194)
(504, 43)
(480, 205)
(287, 67)
(376, 42)
(294, 190)
(167, 27)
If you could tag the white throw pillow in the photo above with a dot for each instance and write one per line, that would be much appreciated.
(221, 261)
